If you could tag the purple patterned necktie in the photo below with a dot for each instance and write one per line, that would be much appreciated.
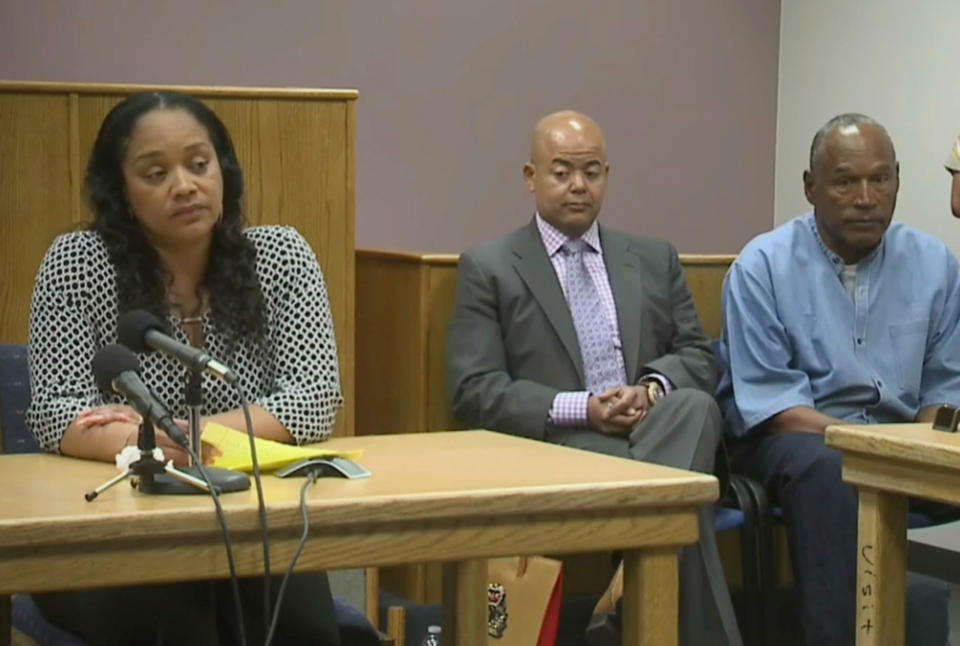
(600, 365)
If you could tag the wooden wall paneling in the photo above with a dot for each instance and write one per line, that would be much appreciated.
(441, 297)
(390, 345)
(347, 216)
(36, 197)
(294, 158)
(404, 302)
(91, 109)
(705, 274)
(76, 159)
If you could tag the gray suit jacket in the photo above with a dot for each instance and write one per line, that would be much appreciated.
(512, 346)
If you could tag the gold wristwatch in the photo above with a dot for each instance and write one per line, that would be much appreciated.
(654, 390)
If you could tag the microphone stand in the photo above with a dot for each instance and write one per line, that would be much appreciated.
(147, 470)
(223, 480)
(193, 398)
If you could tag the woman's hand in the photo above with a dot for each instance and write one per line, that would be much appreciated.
(100, 433)
(102, 415)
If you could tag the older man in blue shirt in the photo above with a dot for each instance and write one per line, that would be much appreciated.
(836, 316)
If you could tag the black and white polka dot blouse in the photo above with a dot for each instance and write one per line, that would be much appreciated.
(74, 313)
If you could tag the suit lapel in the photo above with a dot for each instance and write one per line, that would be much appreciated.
(622, 269)
(533, 265)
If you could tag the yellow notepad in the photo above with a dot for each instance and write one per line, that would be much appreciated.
(234, 448)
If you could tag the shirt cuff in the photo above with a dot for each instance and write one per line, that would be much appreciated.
(665, 383)
(569, 408)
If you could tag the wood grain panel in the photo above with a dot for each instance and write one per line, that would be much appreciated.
(91, 109)
(464, 612)
(918, 480)
(390, 345)
(35, 202)
(404, 303)
(705, 276)
(295, 147)
(365, 545)
(650, 587)
(46, 87)
(396, 622)
(442, 286)
(881, 568)
(908, 443)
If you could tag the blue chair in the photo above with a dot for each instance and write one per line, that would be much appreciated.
(738, 511)
(17, 438)
(14, 400)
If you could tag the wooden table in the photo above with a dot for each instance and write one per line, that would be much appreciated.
(455, 497)
(888, 464)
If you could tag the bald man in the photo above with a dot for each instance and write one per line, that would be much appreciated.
(838, 316)
(568, 332)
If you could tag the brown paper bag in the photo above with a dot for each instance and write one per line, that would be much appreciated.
(523, 601)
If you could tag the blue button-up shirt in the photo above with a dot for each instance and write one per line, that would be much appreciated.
(794, 336)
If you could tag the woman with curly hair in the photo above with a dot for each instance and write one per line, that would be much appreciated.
(168, 235)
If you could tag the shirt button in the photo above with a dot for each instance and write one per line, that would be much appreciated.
(879, 384)
(860, 340)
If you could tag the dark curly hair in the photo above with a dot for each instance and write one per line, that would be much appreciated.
(236, 300)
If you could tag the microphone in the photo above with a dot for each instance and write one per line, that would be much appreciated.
(141, 331)
(117, 370)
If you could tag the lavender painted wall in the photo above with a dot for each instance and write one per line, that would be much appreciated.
(684, 89)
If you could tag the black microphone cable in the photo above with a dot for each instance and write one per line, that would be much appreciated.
(264, 533)
(227, 543)
(311, 478)
(262, 508)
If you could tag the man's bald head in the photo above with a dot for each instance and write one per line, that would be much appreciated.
(564, 127)
(567, 171)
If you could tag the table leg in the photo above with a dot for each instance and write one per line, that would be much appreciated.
(881, 569)
(465, 603)
(650, 597)
(372, 594)
(6, 627)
